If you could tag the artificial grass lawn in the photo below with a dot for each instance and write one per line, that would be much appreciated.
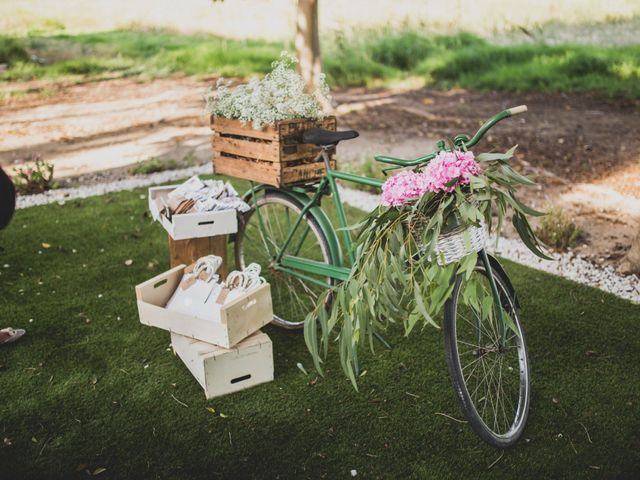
(89, 387)
(368, 57)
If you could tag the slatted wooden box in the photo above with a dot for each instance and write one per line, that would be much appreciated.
(191, 225)
(274, 155)
(221, 371)
(236, 320)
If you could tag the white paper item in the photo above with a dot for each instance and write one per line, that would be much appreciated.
(189, 187)
(199, 300)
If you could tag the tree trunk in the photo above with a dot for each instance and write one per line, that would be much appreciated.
(308, 42)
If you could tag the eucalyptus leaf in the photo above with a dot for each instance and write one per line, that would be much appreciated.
(397, 277)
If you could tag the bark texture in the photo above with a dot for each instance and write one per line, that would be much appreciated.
(308, 42)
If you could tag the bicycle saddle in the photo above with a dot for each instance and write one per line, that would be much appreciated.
(318, 136)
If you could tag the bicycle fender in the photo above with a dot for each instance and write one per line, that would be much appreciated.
(316, 212)
(495, 265)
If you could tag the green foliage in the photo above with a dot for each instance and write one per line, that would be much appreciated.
(348, 63)
(88, 386)
(153, 165)
(402, 50)
(12, 50)
(558, 231)
(36, 179)
(362, 58)
(537, 67)
(131, 52)
(399, 276)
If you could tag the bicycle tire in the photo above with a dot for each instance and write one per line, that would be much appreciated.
(471, 405)
(284, 200)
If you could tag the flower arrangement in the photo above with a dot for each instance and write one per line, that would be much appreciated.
(398, 274)
(280, 95)
(442, 174)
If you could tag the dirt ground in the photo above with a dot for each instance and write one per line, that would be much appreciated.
(584, 150)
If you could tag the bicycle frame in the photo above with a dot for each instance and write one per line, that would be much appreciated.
(300, 267)
(304, 267)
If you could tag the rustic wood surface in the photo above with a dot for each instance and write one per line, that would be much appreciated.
(188, 251)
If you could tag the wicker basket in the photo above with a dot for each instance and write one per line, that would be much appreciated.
(456, 243)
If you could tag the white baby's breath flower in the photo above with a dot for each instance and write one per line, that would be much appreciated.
(279, 95)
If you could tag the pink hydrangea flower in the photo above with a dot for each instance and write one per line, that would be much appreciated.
(403, 188)
(408, 186)
(448, 166)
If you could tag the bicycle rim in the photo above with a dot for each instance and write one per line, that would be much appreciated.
(260, 238)
(489, 372)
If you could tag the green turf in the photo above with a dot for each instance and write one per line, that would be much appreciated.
(368, 57)
(90, 387)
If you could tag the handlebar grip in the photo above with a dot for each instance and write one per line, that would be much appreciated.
(516, 110)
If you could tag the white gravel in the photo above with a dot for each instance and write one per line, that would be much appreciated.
(63, 194)
(568, 265)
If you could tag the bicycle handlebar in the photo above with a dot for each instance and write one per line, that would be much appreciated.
(469, 143)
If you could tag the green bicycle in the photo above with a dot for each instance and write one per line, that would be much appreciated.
(292, 237)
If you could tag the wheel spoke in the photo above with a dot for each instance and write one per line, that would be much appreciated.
(491, 369)
(262, 238)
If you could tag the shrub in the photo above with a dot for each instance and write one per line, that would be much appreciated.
(586, 63)
(558, 231)
(402, 50)
(12, 51)
(37, 179)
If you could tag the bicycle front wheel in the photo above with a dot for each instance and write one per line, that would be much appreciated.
(261, 236)
(488, 362)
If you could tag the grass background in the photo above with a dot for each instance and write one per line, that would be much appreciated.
(89, 387)
(380, 57)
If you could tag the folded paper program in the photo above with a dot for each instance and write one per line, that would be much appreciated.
(196, 195)
(200, 292)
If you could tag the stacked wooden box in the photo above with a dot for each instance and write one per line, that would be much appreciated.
(229, 352)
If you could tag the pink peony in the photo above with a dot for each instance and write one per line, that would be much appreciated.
(448, 166)
(408, 186)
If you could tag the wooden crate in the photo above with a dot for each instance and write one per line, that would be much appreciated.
(192, 225)
(237, 319)
(274, 155)
(221, 371)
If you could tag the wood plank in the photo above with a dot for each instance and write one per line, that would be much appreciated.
(258, 150)
(235, 127)
(298, 125)
(262, 172)
(304, 151)
(303, 173)
(188, 251)
(248, 313)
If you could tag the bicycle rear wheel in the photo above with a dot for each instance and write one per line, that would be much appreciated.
(489, 371)
(260, 238)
